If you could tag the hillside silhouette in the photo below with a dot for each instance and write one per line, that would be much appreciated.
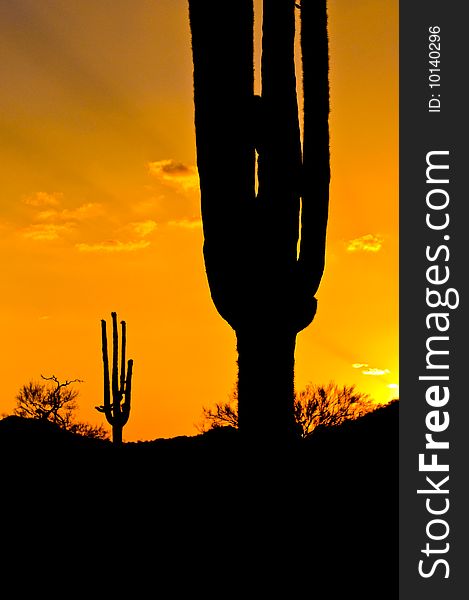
(325, 508)
(255, 511)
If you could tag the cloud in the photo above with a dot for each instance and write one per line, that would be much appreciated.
(85, 211)
(51, 220)
(44, 199)
(186, 223)
(367, 370)
(376, 372)
(81, 213)
(113, 246)
(365, 243)
(143, 228)
(175, 173)
(46, 231)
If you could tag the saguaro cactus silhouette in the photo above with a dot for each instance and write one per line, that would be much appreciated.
(117, 412)
(264, 252)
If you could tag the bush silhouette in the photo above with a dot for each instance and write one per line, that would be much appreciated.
(329, 405)
(315, 406)
(55, 402)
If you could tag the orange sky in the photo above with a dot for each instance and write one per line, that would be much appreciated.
(100, 208)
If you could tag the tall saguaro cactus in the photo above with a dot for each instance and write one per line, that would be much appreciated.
(117, 412)
(264, 252)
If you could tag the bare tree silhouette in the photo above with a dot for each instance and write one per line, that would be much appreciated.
(55, 403)
(264, 252)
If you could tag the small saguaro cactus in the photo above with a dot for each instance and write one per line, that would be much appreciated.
(117, 412)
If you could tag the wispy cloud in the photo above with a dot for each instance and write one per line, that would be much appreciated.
(44, 199)
(113, 246)
(186, 223)
(143, 228)
(46, 231)
(50, 220)
(175, 173)
(81, 213)
(376, 372)
(359, 365)
(367, 370)
(365, 243)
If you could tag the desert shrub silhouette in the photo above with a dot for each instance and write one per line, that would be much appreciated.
(329, 405)
(55, 402)
(314, 407)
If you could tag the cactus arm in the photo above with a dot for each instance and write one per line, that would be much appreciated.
(123, 343)
(280, 156)
(127, 394)
(116, 397)
(222, 46)
(316, 155)
(106, 408)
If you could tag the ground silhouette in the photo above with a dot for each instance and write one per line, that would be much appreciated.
(323, 511)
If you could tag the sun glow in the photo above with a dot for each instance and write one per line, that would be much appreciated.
(100, 210)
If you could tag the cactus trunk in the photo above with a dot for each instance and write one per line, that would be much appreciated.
(117, 434)
(265, 379)
(259, 282)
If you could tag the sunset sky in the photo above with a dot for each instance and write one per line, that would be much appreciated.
(100, 208)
